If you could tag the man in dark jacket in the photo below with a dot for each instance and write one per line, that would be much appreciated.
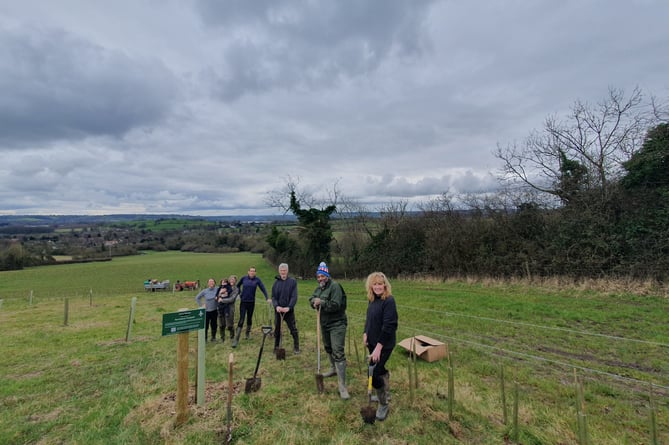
(330, 299)
(284, 299)
(247, 301)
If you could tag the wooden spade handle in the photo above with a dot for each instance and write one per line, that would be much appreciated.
(318, 339)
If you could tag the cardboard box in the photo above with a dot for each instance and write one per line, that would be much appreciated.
(427, 348)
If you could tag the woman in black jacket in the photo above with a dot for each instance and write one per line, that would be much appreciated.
(380, 335)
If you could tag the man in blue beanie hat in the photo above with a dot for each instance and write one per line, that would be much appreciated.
(330, 299)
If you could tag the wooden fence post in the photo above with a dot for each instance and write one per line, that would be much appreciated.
(131, 318)
(505, 418)
(411, 386)
(581, 417)
(415, 366)
(515, 413)
(654, 439)
(451, 386)
(67, 310)
(357, 357)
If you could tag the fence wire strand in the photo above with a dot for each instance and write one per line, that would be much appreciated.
(422, 328)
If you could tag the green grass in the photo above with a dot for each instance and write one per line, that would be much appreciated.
(84, 384)
(126, 275)
(167, 224)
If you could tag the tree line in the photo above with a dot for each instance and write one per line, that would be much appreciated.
(587, 196)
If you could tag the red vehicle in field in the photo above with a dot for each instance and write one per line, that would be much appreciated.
(187, 285)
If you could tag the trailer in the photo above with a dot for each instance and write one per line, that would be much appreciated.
(154, 285)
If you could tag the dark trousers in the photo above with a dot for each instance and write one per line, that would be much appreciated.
(211, 320)
(334, 339)
(377, 381)
(289, 318)
(246, 309)
(226, 318)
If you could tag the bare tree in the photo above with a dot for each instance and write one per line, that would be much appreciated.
(584, 152)
(660, 110)
(280, 198)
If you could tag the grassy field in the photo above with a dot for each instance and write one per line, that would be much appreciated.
(160, 225)
(82, 383)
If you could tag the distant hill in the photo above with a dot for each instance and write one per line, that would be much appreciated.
(46, 220)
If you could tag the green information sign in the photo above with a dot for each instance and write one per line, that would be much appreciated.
(183, 321)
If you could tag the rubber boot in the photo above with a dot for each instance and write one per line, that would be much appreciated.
(222, 335)
(332, 370)
(375, 398)
(382, 394)
(248, 332)
(341, 374)
(235, 341)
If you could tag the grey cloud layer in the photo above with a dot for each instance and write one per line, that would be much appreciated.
(203, 106)
(284, 44)
(57, 86)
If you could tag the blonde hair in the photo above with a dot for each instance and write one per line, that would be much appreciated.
(376, 277)
(231, 277)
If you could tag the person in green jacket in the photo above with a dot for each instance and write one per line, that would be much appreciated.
(330, 299)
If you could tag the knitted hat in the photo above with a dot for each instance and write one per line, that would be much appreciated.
(323, 270)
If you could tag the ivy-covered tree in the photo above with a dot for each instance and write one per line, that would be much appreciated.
(315, 227)
(649, 167)
(572, 179)
(644, 226)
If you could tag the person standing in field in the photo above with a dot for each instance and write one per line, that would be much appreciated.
(284, 299)
(207, 298)
(247, 301)
(229, 309)
(225, 306)
(380, 335)
(330, 299)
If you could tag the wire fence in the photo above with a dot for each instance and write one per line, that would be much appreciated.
(480, 338)
(643, 388)
(436, 331)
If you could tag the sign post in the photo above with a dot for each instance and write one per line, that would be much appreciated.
(182, 379)
(181, 323)
(185, 320)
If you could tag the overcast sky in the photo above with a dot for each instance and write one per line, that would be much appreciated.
(202, 107)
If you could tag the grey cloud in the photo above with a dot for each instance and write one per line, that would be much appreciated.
(278, 44)
(466, 181)
(471, 182)
(401, 187)
(54, 85)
